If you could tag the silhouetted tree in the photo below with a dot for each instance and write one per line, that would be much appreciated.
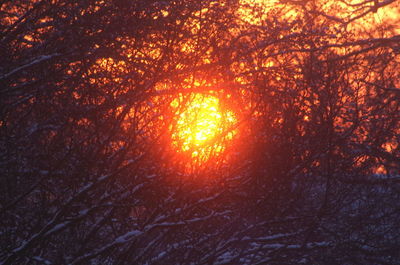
(88, 174)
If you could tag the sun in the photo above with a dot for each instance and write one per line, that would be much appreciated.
(201, 127)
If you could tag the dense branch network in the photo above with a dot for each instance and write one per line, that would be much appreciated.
(97, 167)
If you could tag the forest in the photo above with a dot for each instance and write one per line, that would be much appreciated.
(197, 132)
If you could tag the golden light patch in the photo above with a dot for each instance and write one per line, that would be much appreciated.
(201, 127)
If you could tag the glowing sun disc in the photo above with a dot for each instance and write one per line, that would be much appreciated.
(202, 127)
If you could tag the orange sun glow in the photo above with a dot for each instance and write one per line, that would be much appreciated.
(202, 127)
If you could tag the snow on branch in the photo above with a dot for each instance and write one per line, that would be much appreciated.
(35, 61)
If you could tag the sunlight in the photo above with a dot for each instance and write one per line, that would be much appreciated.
(201, 127)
